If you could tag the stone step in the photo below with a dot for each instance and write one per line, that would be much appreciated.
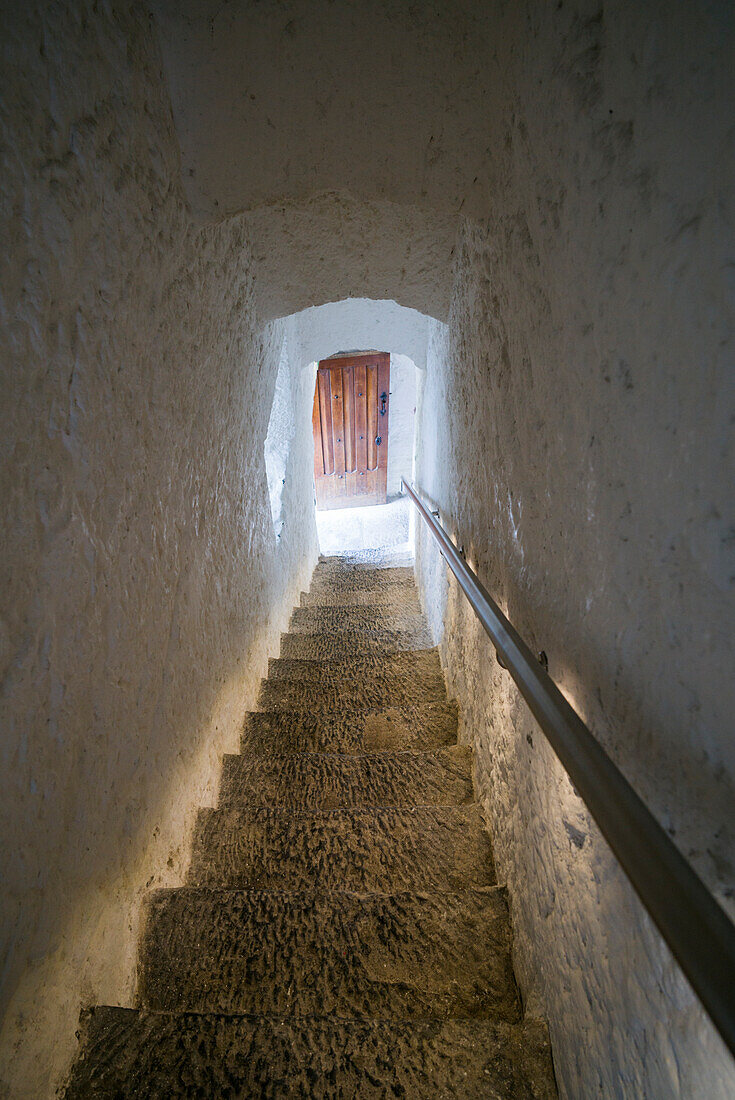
(398, 598)
(333, 697)
(330, 781)
(364, 580)
(406, 955)
(351, 620)
(131, 1055)
(391, 729)
(347, 572)
(329, 647)
(411, 665)
(441, 849)
(347, 874)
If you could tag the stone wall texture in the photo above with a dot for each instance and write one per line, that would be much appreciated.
(576, 432)
(142, 584)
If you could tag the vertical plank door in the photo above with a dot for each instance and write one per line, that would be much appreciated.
(350, 422)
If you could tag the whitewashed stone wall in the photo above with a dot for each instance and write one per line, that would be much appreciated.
(288, 448)
(402, 414)
(360, 323)
(576, 426)
(142, 584)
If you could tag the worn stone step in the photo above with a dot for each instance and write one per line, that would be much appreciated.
(433, 848)
(357, 571)
(327, 592)
(346, 873)
(330, 781)
(398, 598)
(363, 580)
(326, 647)
(391, 729)
(137, 1055)
(349, 620)
(333, 696)
(404, 955)
(390, 668)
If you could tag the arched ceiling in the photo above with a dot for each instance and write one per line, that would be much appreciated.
(333, 247)
(277, 100)
(352, 136)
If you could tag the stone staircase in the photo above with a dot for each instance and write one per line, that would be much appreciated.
(341, 933)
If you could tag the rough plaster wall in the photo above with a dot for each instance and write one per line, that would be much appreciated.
(289, 423)
(289, 449)
(278, 441)
(402, 412)
(576, 426)
(142, 587)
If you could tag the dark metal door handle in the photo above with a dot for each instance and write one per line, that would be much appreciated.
(383, 403)
(378, 441)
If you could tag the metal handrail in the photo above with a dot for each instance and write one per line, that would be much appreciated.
(698, 931)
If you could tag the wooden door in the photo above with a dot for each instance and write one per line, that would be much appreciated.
(350, 421)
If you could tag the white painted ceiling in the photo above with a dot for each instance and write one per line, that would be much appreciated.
(351, 136)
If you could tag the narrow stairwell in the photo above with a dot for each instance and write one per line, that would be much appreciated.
(341, 933)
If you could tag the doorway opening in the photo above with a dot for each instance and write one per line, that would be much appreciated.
(363, 426)
(351, 422)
